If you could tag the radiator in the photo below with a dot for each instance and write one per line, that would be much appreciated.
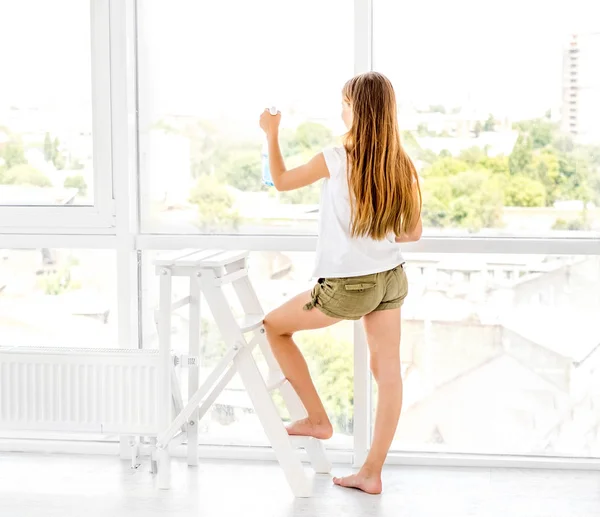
(79, 390)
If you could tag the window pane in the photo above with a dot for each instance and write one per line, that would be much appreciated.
(499, 109)
(45, 103)
(207, 70)
(58, 297)
(276, 277)
(500, 355)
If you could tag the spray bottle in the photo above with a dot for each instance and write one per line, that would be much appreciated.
(266, 170)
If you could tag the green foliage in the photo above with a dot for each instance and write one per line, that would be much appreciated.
(521, 156)
(471, 199)
(540, 131)
(215, 206)
(545, 168)
(495, 164)
(13, 154)
(525, 192)
(310, 195)
(448, 166)
(58, 282)
(311, 135)
(77, 182)
(477, 200)
(472, 156)
(25, 174)
(331, 364)
(490, 123)
(576, 224)
(241, 168)
(48, 148)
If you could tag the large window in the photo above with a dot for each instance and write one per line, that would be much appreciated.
(55, 152)
(130, 126)
(496, 107)
(58, 297)
(46, 104)
(500, 355)
(203, 85)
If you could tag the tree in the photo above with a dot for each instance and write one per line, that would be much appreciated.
(525, 192)
(311, 135)
(215, 206)
(242, 169)
(472, 156)
(468, 199)
(448, 166)
(48, 148)
(25, 174)
(541, 131)
(495, 164)
(13, 154)
(546, 170)
(477, 200)
(490, 123)
(437, 195)
(521, 156)
(478, 129)
(58, 158)
(77, 182)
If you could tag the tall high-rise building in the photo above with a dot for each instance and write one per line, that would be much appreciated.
(580, 113)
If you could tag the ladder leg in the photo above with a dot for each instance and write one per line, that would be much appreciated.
(272, 424)
(314, 448)
(165, 399)
(193, 372)
(164, 468)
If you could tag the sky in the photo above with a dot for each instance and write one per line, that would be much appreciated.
(233, 57)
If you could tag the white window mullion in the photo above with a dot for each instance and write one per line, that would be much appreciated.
(101, 107)
(124, 164)
(363, 36)
(363, 61)
(124, 173)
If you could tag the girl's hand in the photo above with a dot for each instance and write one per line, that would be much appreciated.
(270, 123)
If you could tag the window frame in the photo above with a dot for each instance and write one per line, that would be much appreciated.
(114, 223)
(99, 216)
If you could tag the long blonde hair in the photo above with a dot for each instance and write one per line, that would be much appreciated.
(385, 194)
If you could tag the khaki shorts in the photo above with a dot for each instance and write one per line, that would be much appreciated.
(354, 297)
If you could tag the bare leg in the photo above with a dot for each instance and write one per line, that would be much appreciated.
(280, 325)
(383, 336)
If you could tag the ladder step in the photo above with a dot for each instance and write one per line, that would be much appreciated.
(250, 322)
(224, 258)
(232, 277)
(302, 442)
(275, 380)
(168, 259)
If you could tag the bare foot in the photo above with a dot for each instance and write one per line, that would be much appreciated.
(365, 481)
(306, 427)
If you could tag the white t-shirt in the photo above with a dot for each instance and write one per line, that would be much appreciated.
(339, 254)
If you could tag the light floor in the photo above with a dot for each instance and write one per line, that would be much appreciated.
(33, 485)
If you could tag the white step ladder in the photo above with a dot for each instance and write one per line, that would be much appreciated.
(209, 271)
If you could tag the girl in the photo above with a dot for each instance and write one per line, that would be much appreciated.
(370, 201)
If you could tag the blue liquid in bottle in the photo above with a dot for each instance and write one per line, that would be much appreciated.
(266, 170)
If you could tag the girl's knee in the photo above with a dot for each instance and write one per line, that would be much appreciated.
(273, 325)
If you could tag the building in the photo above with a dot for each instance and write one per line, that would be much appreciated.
(580, 114)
